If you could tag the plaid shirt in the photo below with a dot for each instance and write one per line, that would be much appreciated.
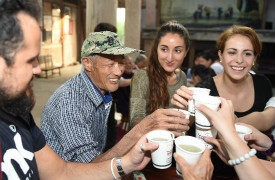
(74, 120)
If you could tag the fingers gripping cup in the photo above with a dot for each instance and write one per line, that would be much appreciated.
(190, 148)
(201, 132)
(242, 131)
(187, 116)
(211, 102)
(197, 91)
(162, 157)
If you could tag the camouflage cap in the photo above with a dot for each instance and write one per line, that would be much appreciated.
(104, 42)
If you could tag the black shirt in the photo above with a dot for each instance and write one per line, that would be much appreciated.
(19, 139)
(263, 92)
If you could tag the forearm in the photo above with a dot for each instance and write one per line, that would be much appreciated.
(263, 121)
(123, 146)
(270, 166)
(250, 168)
(51, 166)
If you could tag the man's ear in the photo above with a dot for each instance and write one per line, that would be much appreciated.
(87, 63)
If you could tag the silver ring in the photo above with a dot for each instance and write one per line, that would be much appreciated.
(141, 147)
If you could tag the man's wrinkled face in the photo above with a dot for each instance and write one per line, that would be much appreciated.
(106, 72)
(16, 95)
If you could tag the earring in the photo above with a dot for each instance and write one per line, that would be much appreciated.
(253, 63)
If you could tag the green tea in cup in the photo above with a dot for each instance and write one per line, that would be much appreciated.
(190, 148)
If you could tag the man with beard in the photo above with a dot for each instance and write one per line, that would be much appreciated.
(24, 153)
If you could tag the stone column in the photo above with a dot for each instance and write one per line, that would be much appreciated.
(132, 23)
(100, 11)
(151, 13)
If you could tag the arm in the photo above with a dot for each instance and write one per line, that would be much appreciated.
(270, 166)
(124, 82)
(161, 119)
(223, 121)
(256, 119)
(51, 166)
(138, 96)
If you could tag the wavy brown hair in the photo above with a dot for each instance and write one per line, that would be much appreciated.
(158, 85)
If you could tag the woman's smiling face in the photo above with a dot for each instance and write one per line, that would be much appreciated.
(238, 56)
(171, 52)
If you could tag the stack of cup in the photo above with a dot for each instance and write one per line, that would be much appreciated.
(190, 148)
(196, 91)
(204, 126)
(162, 157)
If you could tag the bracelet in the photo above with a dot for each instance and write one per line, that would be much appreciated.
(241, 159)
(271, 150)
(113, 170)
(119, 167)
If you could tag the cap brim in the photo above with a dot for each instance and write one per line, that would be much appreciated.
(120, 51)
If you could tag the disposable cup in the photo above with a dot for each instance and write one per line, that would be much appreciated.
(242, 131)
(211, 132)
(191, 152)
(196, 91)
(162, 157)
(210, 101)
(187, 116)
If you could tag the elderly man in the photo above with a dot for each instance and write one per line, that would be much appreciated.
(24, 153)
(74, 120)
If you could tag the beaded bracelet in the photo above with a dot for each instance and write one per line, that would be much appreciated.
(241, 159)
(271, 150)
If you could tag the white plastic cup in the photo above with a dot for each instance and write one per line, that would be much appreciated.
(187, 116)
(189, 157)
(196, 91)
(162, 157)
(200, 133)
(210, 101)
(242, 131)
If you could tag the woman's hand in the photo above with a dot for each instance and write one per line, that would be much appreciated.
(256, 139)
(181, 97)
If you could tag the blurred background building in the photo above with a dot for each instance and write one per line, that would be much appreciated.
(66, 23)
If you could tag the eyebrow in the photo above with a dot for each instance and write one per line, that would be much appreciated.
(175, 47)
(237, 49)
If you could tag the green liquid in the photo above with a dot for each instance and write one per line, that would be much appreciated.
(159, 139)
(190, 148)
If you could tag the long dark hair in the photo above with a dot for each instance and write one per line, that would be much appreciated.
(158, 85)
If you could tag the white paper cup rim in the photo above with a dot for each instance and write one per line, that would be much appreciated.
(198, 141)
(171, 137)
(207, 99)
(243, 129)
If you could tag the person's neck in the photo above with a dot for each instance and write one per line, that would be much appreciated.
(234, 85)
(95, 82)
(171, 77)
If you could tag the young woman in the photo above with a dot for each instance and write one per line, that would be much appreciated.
(153, 87)
(238, 48)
